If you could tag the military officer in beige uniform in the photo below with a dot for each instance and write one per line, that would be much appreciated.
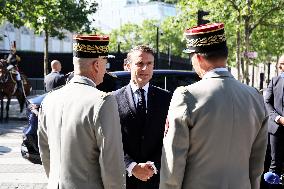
(79, 128)
(216, 133)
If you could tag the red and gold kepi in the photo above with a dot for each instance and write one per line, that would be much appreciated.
(90, 46)
(205, 38)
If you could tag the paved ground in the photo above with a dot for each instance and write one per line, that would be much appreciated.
(16, 172)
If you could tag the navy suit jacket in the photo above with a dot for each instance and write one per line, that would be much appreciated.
(143, 143)
(274, 102)
(53, 80)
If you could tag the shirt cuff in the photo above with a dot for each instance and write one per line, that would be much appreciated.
(277, 118)
(130, 168)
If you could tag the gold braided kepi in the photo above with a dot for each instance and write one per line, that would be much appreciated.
(90, 46)
(205, 38)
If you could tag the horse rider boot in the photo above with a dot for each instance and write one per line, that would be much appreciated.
(19, 84)
(11, 68)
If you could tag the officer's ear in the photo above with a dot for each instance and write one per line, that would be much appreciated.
(95, 65)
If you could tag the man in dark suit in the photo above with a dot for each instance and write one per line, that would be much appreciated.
(143, 110)
(274, 100)
(54, 78)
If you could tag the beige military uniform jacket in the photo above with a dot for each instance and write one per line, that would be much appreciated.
(216, 136)
(80, 138)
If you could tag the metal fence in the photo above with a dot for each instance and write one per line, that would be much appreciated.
(37, 86)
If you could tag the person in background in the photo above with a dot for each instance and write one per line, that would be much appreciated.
(79, 130)
(142, 109)
(274, 103)
(216, 132)
(13, 59)
(125, 65)
(54, 79)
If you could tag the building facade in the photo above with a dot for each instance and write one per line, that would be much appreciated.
(26, 40)
(111, 14)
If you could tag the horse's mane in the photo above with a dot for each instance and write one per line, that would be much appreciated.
(3, 63)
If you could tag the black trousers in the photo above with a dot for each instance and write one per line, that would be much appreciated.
(277, 154)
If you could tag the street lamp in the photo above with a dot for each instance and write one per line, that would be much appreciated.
(118, 44)
(169, 54)
(158, 33)
(157, 46)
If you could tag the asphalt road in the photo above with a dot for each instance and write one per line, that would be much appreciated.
(16, 172)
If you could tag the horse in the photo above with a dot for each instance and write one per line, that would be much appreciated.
(8, 89)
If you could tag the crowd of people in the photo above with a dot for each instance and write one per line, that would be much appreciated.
(211, 134)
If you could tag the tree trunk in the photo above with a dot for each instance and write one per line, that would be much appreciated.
(46, 53)
(247, 61)
(238, 54)
(252, 77)
(247, 41)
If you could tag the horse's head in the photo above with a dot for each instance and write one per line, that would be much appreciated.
(3, 69)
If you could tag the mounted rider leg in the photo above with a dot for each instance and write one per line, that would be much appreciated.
(20, 86)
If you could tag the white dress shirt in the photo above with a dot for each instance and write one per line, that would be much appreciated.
(134, 89)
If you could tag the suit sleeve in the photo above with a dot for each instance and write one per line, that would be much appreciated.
(165, 103)
(43, 141)
(110, 144)
(128, 160)
(270, 106)
(61, 81)
(269, 101)
(256, 161)
(175, 143)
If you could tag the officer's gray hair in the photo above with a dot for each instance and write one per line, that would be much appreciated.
(82, 65)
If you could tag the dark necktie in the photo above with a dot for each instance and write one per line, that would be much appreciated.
(141, 104)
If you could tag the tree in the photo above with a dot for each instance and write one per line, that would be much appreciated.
(127, 36)
(262, 33)
(53, 17)
(242, 19)
(171, 35)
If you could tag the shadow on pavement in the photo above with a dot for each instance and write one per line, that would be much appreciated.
(12, 126)
(4, 150)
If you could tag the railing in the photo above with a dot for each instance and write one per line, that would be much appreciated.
(37, 85)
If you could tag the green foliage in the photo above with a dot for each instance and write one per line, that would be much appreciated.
(53, 17)
(258, 23)
(128, 36)
(170, 33)
(12, 11)
(264, 38)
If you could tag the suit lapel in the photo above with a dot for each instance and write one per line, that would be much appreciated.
(281, 80)
(129, 100)
(128, 96)
(282, 84)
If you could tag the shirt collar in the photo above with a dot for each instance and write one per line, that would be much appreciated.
(80, 76)
(135, 87)
(215, 70)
